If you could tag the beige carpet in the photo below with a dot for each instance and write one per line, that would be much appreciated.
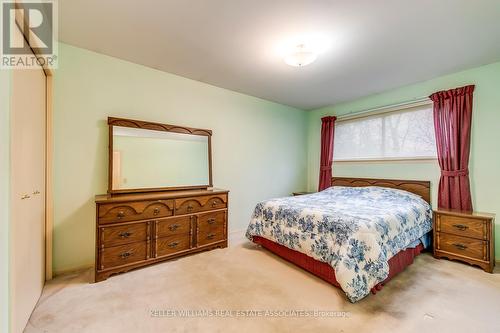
(430, 296)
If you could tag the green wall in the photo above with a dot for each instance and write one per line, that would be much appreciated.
(484, 160)
(259, 147)
(5, 84)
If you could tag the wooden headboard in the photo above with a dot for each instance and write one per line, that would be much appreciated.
(419, 187)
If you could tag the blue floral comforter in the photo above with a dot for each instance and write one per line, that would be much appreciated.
(354, 229)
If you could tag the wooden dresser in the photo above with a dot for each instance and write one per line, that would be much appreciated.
(465, 236)
(135, 230)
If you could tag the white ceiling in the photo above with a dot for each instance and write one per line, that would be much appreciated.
(373, 45)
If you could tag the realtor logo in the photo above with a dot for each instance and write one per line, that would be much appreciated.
(28, 34)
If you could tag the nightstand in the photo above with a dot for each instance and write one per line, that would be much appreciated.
(301, 193)
(465, 236)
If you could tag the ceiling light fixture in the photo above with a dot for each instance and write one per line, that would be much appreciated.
(300, 56)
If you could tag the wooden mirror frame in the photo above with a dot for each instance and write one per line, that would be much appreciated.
(122, 122)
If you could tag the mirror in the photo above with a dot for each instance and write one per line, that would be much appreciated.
(151, 157)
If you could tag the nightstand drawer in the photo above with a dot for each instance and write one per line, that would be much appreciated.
(462, 226)
(463, 246)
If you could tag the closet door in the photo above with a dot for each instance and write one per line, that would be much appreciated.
(27, 193)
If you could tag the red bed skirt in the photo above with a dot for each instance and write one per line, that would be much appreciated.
(323, 270)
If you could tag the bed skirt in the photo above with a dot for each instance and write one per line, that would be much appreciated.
(326, 272)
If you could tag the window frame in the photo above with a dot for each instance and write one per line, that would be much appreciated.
(376, 112)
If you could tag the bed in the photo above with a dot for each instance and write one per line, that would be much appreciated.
(357, 234)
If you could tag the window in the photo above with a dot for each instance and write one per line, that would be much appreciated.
(401, 134)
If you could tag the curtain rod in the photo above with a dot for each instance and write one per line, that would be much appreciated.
(386, 108)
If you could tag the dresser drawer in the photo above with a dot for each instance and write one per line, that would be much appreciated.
(172, 244)
(212, 221)
(462, 226)
(137, 210)
(123, 234)
(173, 226)
(123, 255)
(200, 204)
(205, 237)
(464, 246)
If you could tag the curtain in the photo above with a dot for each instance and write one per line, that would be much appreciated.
(452, 123)
(325, 171)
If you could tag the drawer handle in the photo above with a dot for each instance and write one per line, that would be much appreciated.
(460, 246)
(461, 227)
(189, 208)
(210, 236)
(173, 244)
(214, 203)
(124, 234)
(211, 221)
(125, 255)
(174, 227)
(156, 211)
(121, 214)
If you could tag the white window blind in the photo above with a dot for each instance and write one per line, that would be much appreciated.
(402, 134)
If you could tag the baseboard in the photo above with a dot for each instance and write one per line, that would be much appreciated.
(238, 231)
(74, 270)
(236, 236)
